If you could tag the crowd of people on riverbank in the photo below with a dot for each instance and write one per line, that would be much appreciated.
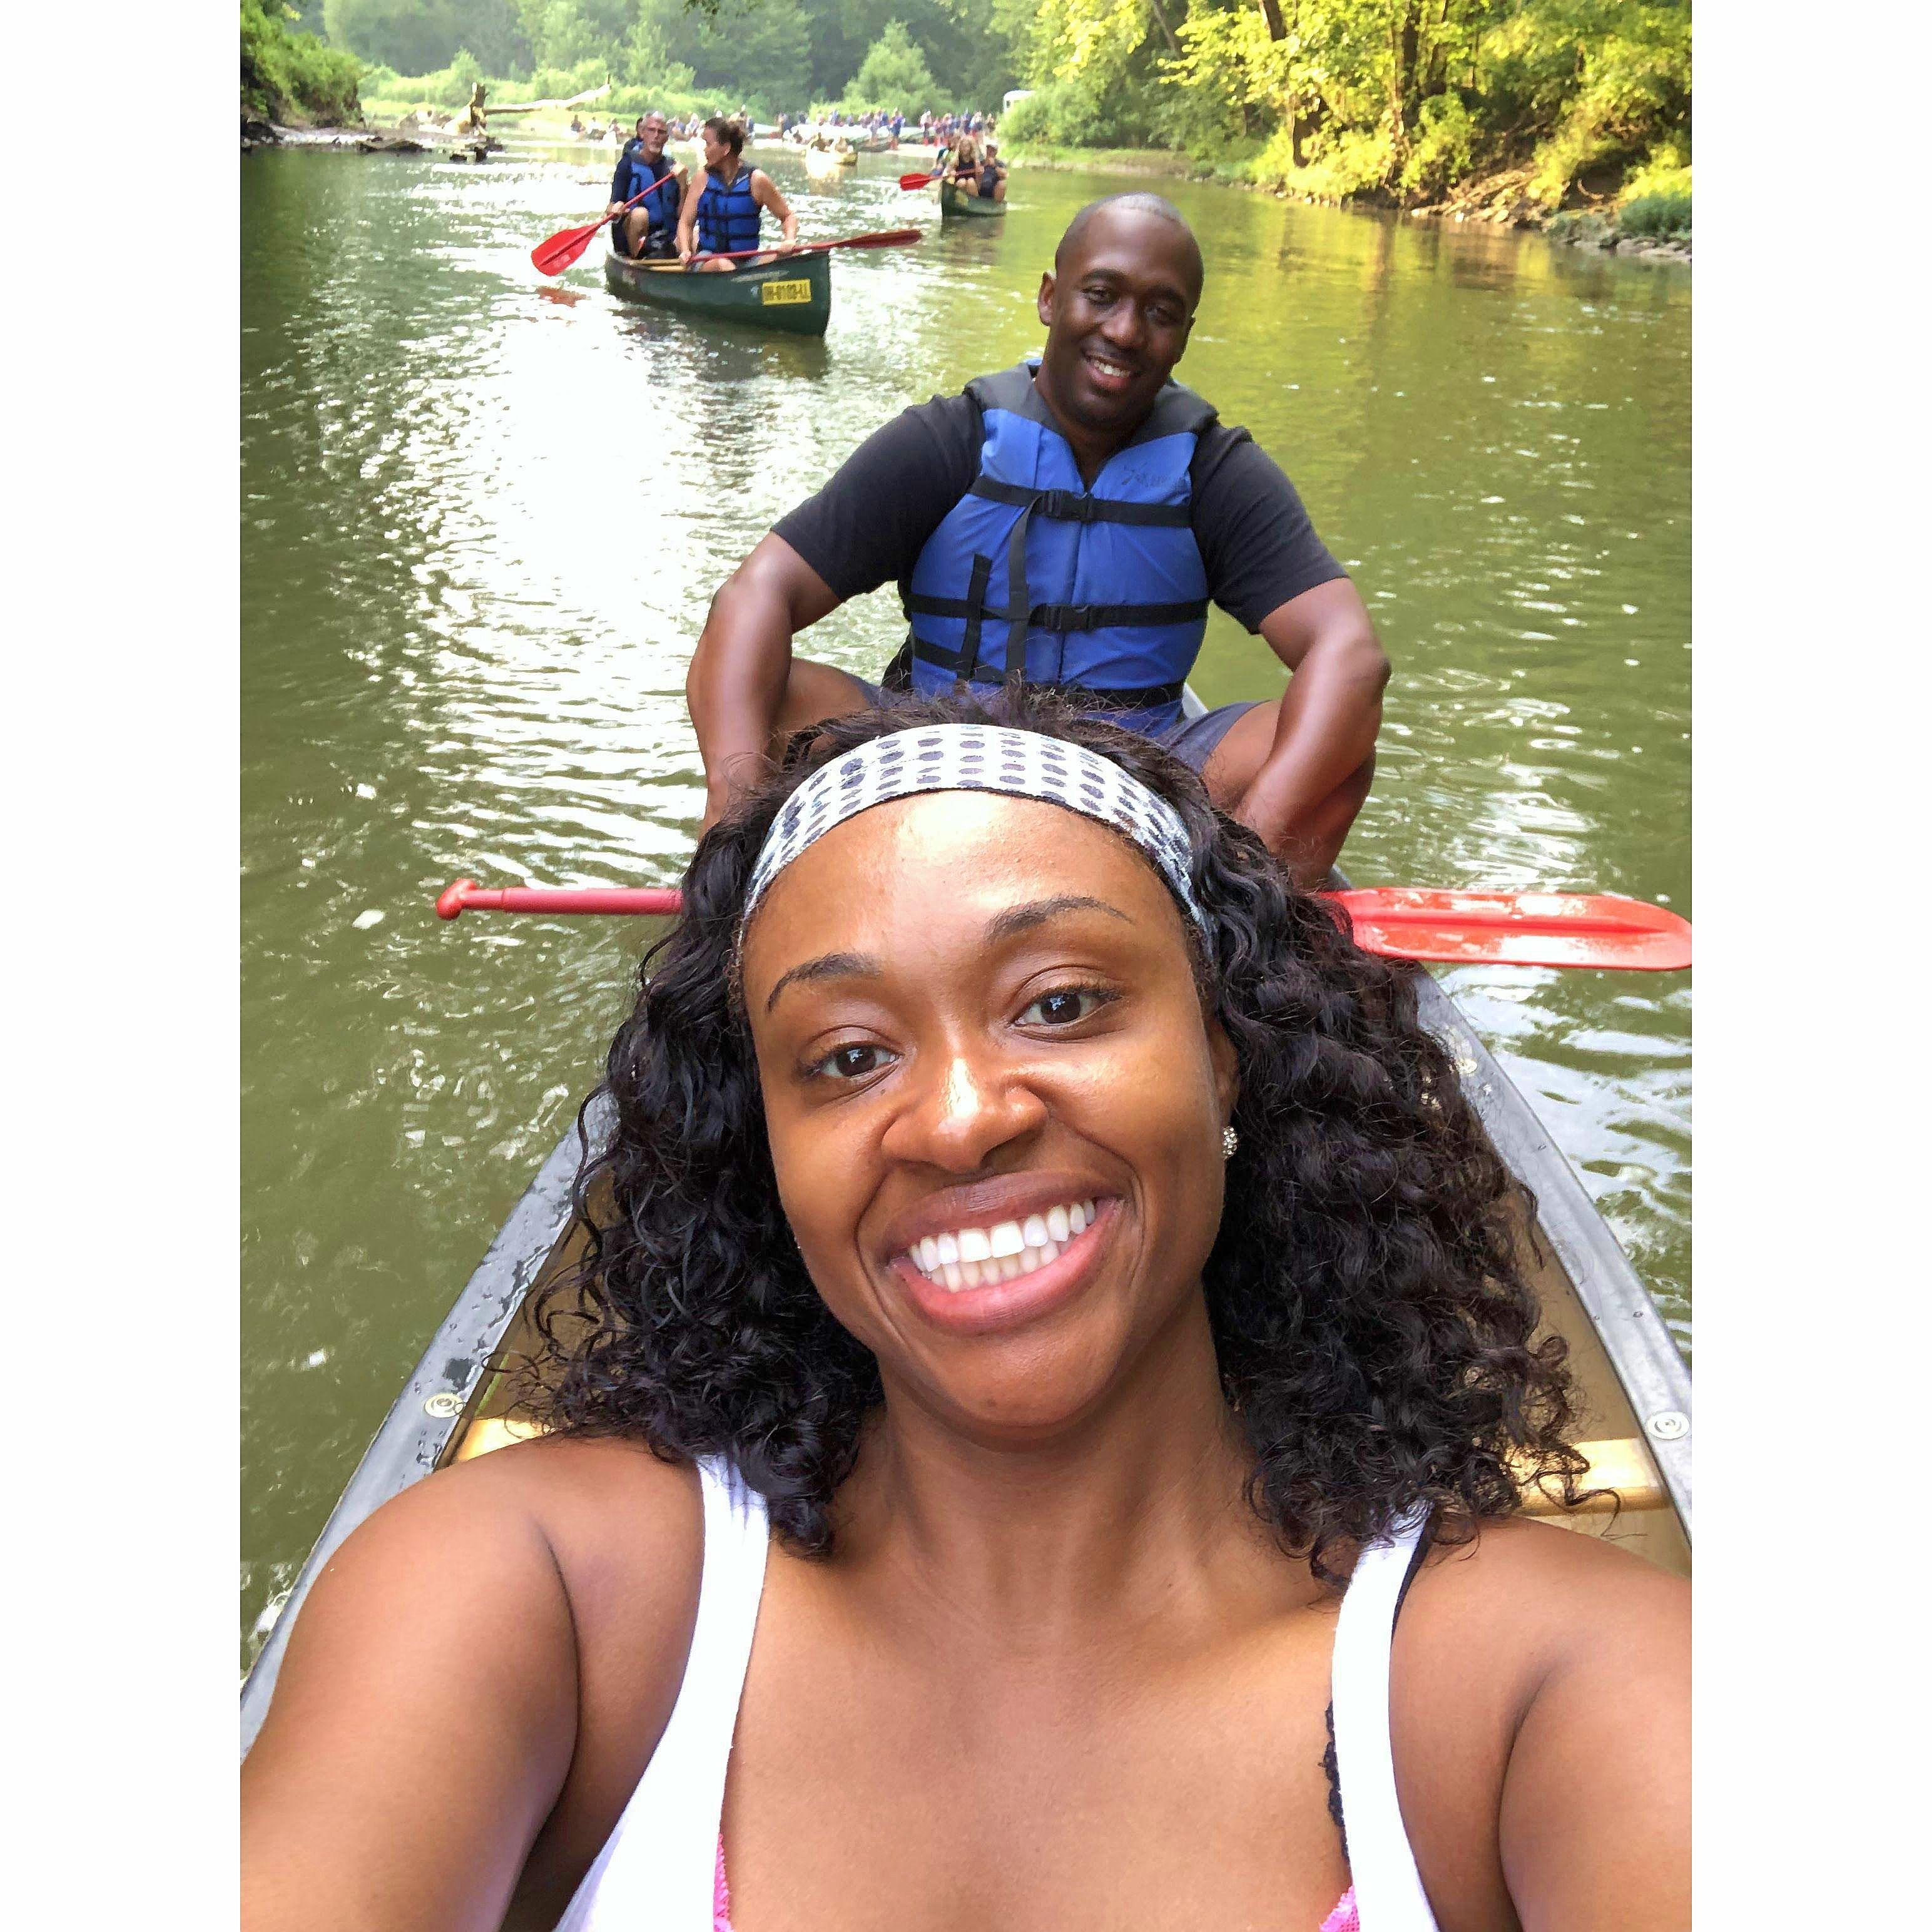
(890, 125)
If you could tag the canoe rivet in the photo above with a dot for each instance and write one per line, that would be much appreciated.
(1668, 1425)
(444, 1403)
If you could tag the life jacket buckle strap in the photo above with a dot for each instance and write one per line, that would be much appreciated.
(1067, 506)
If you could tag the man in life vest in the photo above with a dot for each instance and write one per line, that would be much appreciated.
(721, 214)
(648, 232)
(991, 185)
(1066, 523)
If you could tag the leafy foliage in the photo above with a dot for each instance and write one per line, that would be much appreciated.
(1566, 101)
(892, 77)
(1661, 214)
(287, 76)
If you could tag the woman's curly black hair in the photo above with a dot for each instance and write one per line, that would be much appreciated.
(1375, 1333)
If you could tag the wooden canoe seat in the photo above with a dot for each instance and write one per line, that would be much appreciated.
(1621, 1463)
(492, 1432)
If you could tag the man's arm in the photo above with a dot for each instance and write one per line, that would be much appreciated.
(862, 529)
(736, 685)
(1326, 728)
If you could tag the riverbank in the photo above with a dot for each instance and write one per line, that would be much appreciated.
(1648, 226)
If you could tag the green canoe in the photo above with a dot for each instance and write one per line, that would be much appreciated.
(955, 204)
(794, 293)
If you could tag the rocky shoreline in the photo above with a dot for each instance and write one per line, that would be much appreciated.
(409, 137)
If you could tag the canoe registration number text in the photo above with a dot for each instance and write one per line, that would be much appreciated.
(776, 294)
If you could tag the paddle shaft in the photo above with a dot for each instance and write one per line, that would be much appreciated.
(1601, 931)
(634, 199)
(465, 895)
(886, 237)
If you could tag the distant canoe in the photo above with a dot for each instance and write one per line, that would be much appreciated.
(828, 161)
(956, 204)
(793, 293)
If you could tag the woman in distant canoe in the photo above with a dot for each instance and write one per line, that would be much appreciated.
(964, 167)
(723, 208)
(1033, 1438)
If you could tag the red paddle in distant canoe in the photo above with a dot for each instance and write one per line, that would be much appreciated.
(886, 237)
(553, 256)
(1601, 930)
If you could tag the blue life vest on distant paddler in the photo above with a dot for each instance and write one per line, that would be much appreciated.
(662, 206)
(727, 217)
(1107, 585)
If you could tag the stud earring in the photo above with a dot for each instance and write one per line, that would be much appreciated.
(1230, 1140)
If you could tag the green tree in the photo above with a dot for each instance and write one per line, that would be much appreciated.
(420, 36)
(893, 75)
(758, 51)
(291, 76)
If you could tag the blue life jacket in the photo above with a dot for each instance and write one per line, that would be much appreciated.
(1109, 582)
(662, 206)
(727, 217)
(634, 174)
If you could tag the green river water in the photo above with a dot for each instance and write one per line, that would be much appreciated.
(482, 519)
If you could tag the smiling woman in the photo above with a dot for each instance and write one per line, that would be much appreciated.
(1037, 1212)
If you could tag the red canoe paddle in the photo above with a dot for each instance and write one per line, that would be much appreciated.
(553, 256)
(1601, 930)
(911, 181)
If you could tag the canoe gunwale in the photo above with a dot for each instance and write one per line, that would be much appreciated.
(1633, 1334)
(412, 1441)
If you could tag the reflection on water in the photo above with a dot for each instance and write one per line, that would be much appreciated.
(482, 517)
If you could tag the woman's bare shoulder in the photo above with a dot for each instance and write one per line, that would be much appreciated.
(437, 1669)
(1529, 1660)
(1558, 1582)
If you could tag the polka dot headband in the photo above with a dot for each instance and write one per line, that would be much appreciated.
(977, 757)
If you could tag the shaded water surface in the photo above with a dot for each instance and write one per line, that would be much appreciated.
(482, 518)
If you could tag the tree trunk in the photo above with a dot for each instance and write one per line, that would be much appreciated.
(1160, 14)
(1436, 65)
(1408, 46)
(1271, 13)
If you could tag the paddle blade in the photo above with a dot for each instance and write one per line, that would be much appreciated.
(553, 256)
(917, 181)
(1601, 930)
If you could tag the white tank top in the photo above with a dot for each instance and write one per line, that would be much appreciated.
(657, 1870)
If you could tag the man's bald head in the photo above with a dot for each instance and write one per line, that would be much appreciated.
(1140, 209)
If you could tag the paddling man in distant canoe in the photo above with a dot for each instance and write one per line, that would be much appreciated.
(992, 184)
(648, 232)
(722, 213)
(1023, 494)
